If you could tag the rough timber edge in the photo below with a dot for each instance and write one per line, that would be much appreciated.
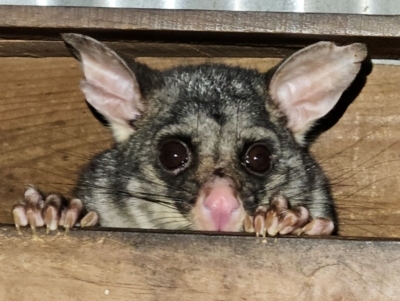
(174, 32)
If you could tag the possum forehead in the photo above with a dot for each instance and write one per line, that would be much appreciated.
(214, 104)
(216, 85)
(212, 91)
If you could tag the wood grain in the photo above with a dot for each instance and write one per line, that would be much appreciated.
(361, 155)
(198, 20)
(151, 266)
(47, 134)
(187, 33)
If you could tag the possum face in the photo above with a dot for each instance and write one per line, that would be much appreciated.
(202, 147)
(213, 146)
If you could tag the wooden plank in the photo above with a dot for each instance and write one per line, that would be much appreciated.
(198, 20)
(24, 31)
(47, 134)
(158, 266)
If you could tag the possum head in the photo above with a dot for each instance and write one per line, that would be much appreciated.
(200, 147)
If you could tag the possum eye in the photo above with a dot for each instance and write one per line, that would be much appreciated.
(258, 158)
(174, 155)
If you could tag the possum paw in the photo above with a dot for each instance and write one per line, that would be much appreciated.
(52, 211)
(281, 218)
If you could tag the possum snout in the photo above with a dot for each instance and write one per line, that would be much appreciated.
(218, 207)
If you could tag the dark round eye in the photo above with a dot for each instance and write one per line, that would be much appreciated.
(174, 155)
(258, 158)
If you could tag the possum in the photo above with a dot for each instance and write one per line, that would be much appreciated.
(207, 147)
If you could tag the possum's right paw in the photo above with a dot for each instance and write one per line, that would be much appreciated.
(282, 218)
(51, 211)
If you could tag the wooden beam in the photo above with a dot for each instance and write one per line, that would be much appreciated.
(95, 265)
(198, 20)
(189, 33)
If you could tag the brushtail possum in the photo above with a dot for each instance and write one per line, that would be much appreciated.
(205, 147)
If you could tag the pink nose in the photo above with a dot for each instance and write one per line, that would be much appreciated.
(222, 206)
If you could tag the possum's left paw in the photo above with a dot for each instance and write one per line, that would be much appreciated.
(51, 211)
(281, 218)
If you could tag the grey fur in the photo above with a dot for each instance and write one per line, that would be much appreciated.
(217, 110)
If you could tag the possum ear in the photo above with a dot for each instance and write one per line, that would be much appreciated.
(309, 83)
(109, 84)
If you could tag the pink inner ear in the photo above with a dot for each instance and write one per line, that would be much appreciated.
(309, 84)
(303, 103)
(110, 106)
(111, 87)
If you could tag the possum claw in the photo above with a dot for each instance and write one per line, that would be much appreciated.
(248, 224)
(281, 218)
(318, 226)
(72, 214)
(90, 219)
(19, 217)
(34, 205)
(259, 221)
(52, 212)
